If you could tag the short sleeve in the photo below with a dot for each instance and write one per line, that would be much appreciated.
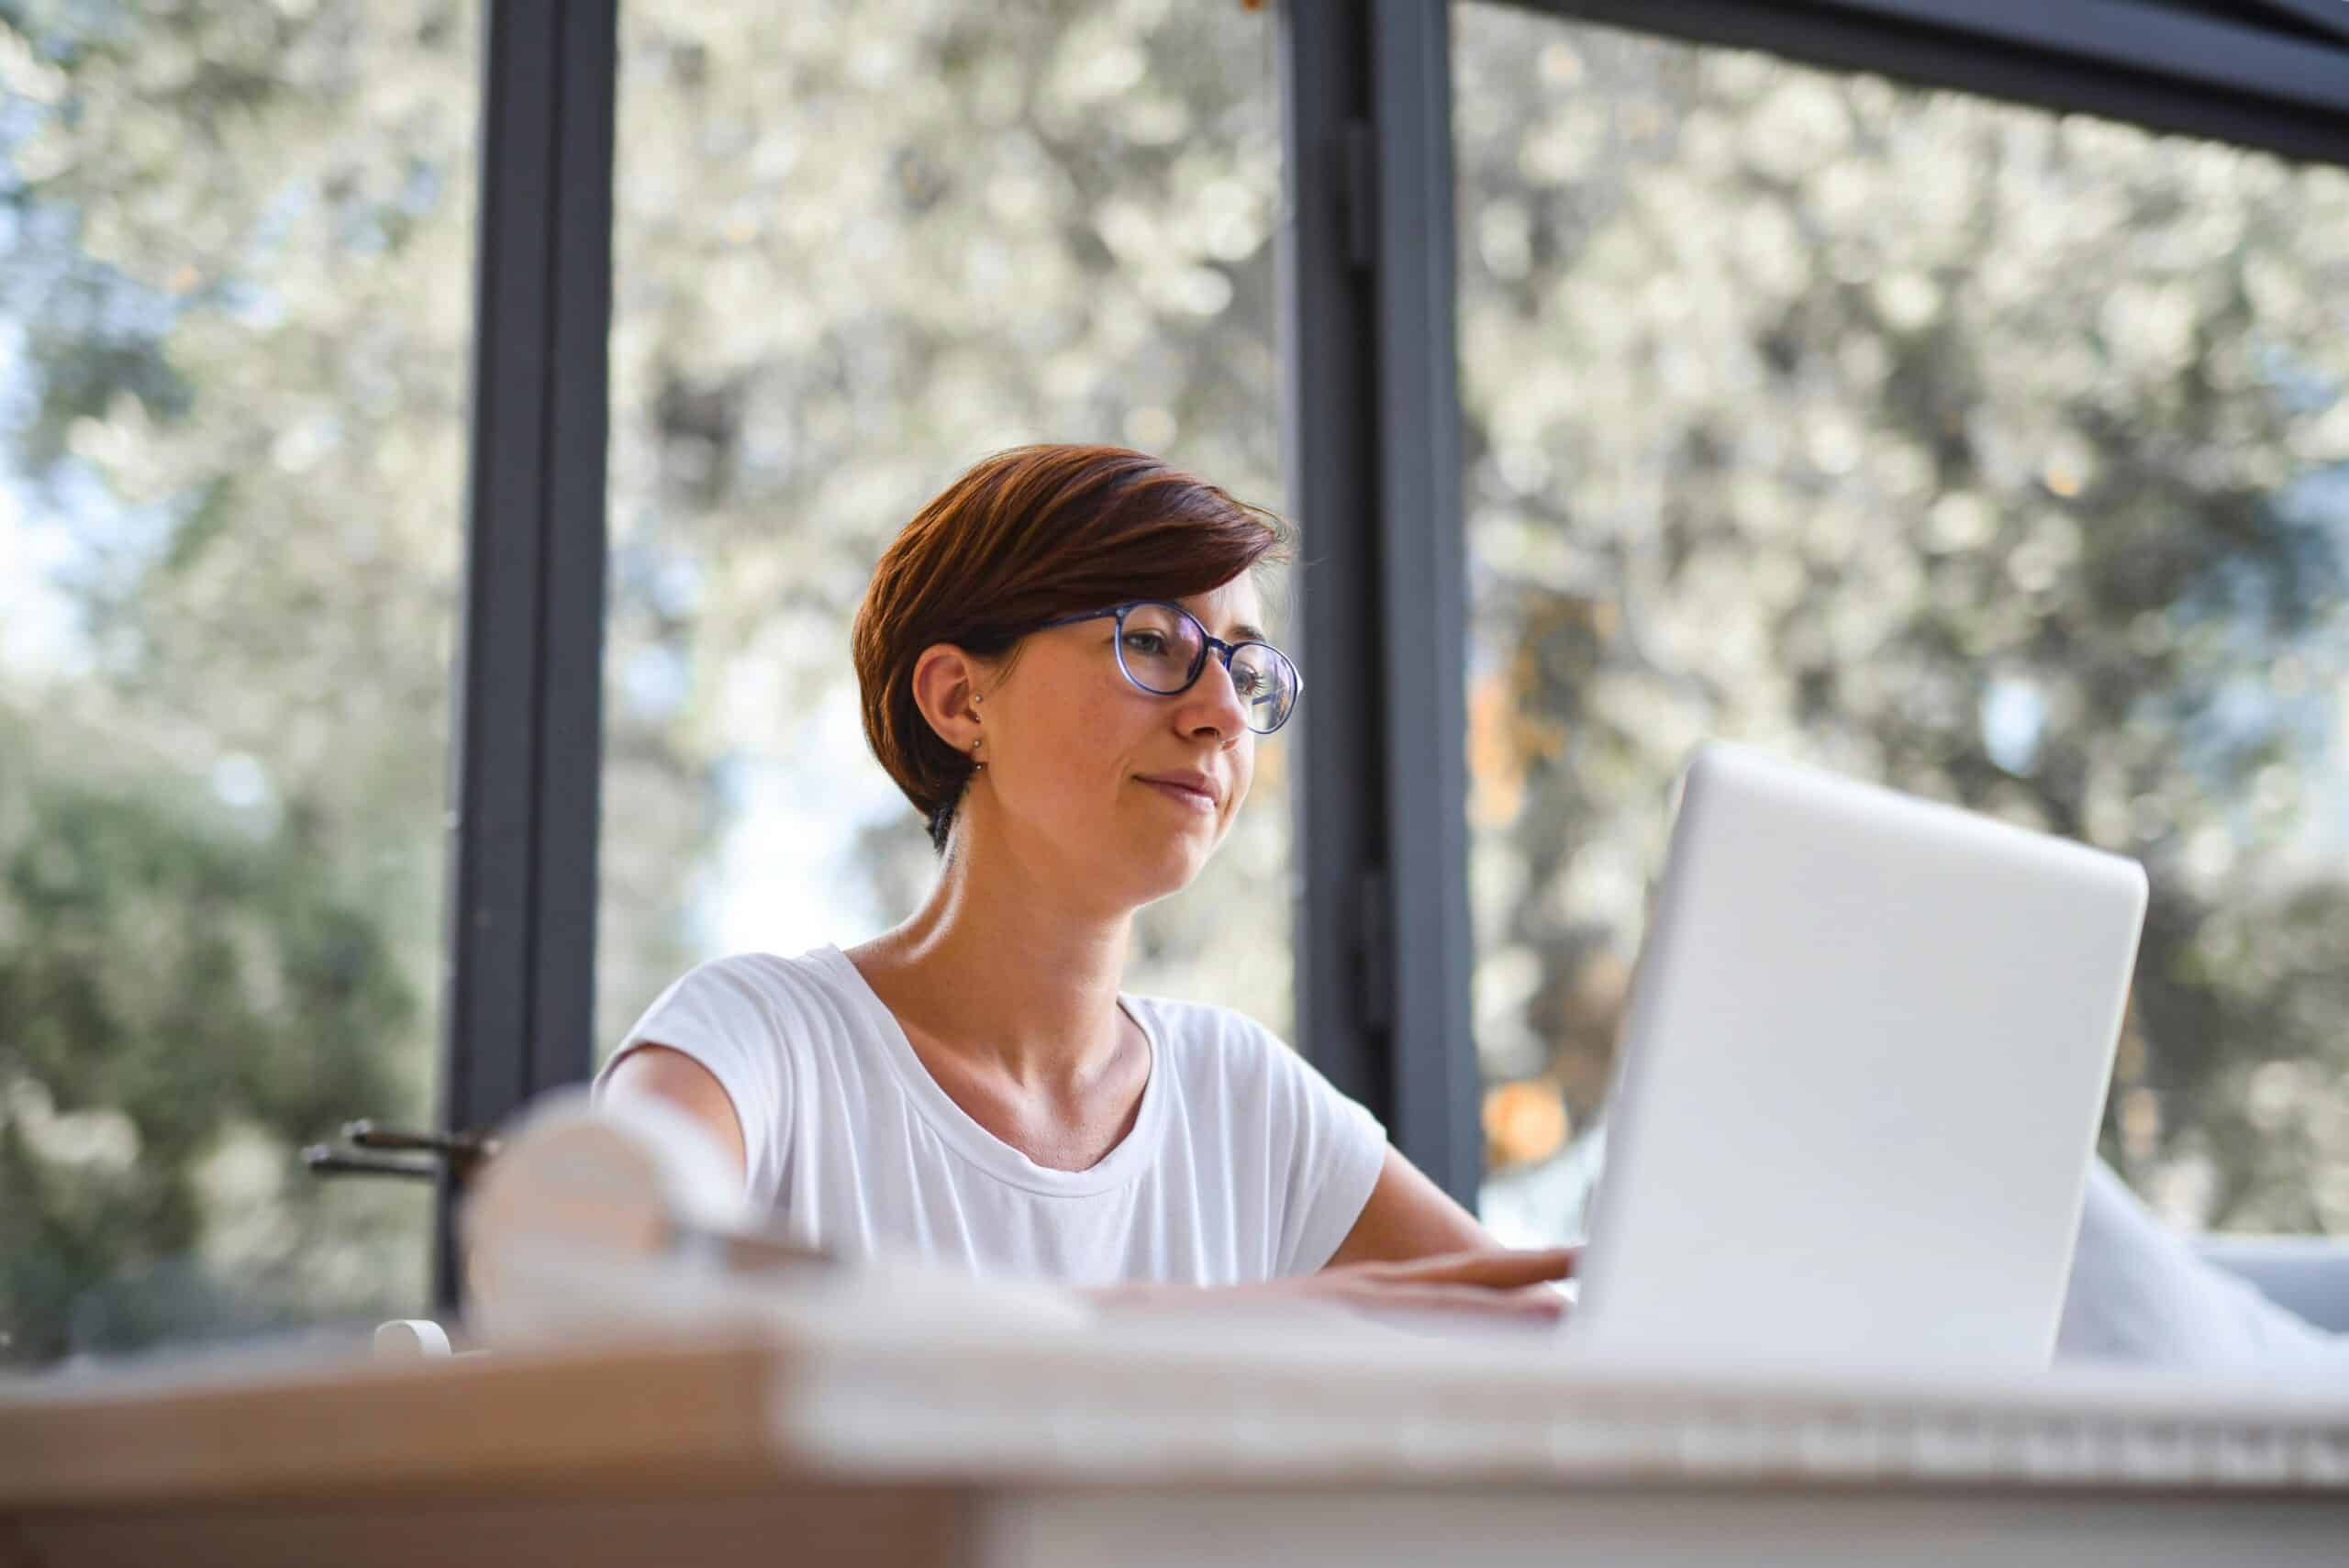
(1337, 1148)
(721, 1014)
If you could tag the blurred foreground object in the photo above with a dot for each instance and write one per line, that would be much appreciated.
(666, 1381)
(2141, 1293)
(603, 1215)
(411, 1339)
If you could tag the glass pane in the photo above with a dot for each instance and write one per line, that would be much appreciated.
(825, 310)
(234, 317)
(1998, 455)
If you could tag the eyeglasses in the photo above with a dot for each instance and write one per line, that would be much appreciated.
(1162, 648)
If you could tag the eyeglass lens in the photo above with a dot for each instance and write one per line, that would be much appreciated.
(1164, 649)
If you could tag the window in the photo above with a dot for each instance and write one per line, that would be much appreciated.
(1997, 455)
(233, 330)
(824, 310)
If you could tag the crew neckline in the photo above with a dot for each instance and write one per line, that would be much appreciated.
(962, 1132)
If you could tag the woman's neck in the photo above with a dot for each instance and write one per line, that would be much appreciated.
(996, 966)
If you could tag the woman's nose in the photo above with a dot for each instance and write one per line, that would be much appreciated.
(1217, 700)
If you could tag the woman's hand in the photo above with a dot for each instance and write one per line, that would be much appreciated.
(1493, 1282)
(1486, 1283)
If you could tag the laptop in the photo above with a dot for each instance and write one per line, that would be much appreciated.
(1863, 1068)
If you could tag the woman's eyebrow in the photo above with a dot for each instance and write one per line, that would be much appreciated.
(1243, 632)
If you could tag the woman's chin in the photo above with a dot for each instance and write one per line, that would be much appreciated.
(1171, 872)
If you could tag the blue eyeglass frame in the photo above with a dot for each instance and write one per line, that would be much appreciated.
(1209, 644)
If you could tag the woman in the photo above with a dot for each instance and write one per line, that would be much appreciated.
(1062, 669)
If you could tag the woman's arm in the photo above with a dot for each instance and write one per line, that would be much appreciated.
(661, 1073)
(1412, 1249)
(1408, 1216)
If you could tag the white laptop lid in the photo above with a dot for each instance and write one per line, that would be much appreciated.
(1862, 1066)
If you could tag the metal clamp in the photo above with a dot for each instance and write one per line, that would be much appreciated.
(460, 1153)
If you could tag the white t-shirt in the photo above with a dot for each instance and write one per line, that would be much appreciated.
(1243, 1162)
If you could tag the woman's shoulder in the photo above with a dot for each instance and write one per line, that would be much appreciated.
(785, 993)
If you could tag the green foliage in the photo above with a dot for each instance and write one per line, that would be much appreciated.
(168, 977)
(1996, 455)
(236, 285)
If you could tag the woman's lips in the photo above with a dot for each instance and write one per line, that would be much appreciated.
(1196, 800)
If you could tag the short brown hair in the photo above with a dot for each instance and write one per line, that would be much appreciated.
(1024, 536)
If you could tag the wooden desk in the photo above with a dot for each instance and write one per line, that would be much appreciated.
(1137, 1442)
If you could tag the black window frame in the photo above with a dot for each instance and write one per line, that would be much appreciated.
(525, 769)
(1370, 422)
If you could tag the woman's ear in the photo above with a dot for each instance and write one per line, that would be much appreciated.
(946, 690)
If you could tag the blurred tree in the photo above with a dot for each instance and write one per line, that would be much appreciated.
(233, 326)
(1994, 455)
(184, 991)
